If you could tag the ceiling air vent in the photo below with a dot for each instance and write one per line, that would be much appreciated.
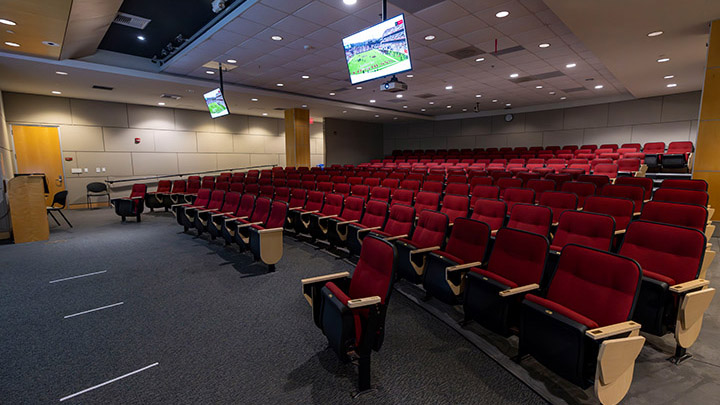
(279, 109)
(509, 50)
(131, 21)
(102, 87)
(466, 52)
(426, 95)
(413, 6)
(171, 96)
(574, 89)
(339, 90)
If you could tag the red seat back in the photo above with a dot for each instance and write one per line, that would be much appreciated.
(401, 196)
(178, 186)
(671, 251)
(376, 213)
(457, 189)
(455, 206)
(492, 212)
(262, 210)
(645, 182)
(468, 240)
(427, 201)
(282, 194)
(531, 218)
(518, 256)
(216, 200)
(203, 197)
(401, 220)
(231, 202)
(315, 201)
(694, 184)
(430, 230)
(246, 206)
(353, 209)
(518, 196)
(138, 190)
(558, 202)
(333, 204)
(375, 270)
(598, 285)
(540, 186)
(687, 215)
(163, 186)
(581, 189)
(585, 229)
(297, 198)
(621, 209)
(634, 193)
(342, 188)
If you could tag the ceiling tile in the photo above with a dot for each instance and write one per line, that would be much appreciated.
(244, 26)
(296, 26)
(320, 13)
(441, 13)
(463, 25)
(287, 6)
(262, 14)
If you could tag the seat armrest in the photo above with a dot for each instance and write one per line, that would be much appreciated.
(325, 278)
(327, 217)
(248, 224)
(179, 205)
(689, 286)
(309, 212)
(612, 330)
(206, 210)
(233, 218)
(348, 222)
(620, 231)
(363, 302)
(374, 228)
(519, 290)
(136, 198)
(221, 213)
(463, 266)
(294, 208)
(555, 223)
(271, 230)
(392, 238)
(425, 250)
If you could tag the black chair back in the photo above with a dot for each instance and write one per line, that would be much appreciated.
(60, 198)
(97, 187)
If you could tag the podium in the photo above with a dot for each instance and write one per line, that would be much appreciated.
(28, 212)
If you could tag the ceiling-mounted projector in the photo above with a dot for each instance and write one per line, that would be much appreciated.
(393, 85)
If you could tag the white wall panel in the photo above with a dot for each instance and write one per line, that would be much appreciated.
(141, 116)
(214, 142)
(123, 140)
(82, 138)
(175, 141)
(148, 164)
(98, 113)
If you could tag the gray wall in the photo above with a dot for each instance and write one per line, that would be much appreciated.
(6, 169)
(352, 142)
(99, 134)
(667, 118)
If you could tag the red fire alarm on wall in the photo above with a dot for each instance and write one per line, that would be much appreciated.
(68, 159)
(137, 141)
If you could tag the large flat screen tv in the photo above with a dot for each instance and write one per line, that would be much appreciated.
(216, 103)
(378, 51)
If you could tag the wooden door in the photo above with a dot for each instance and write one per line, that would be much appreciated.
(37, 150)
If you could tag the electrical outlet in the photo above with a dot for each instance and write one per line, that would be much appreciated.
(97, 170)
(76, 171)
(86, 170)
(103, 169)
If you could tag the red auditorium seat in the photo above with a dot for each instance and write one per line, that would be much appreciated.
(325, 186)
(351, 312)
(190, 218)
(337, 228)
(429, 235)
(505, 183)
(253, 188)
(581, 189)
(584, 319)
(432, 186)
(360, 190)
(672, 298)
(191, 192)
(317, 225)
(481, 180)
(402, 196)
(482, 191)
(241, 226)
(558, 202)
(371, 182)
(635, 146)
(155, 199)
(132, 206)
(687, 215)
(584, 229)
(445, 271)
(298, 217)
(204, 218)
(413, 185)
(390, 183)
(628, 165)
(282, 194)
(427, 201)
(454, 206)
(634, 193)
(457, 179)
(375, 216)
(201, 201)
(525, 177)
(694, 184)
(607, 169)
(177, 192)
(645, 182)
(513, 196)
(400, 223)
(598, 180)
(531, 218)
(380, 194)
(208, 182)
(342, 189)
(540, 186)
(267, 191)
(217, 226)
(457, 188)
(493, 294)
(621, 209)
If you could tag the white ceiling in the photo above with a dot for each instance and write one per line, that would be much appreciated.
(320, 25)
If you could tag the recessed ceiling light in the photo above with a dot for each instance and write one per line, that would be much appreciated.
(544, 45)
(599, 86)
(431, 102)
(405, 106)
(448, 87)
(332, 94)
(464, 109)
(304, 106)
(161, 103)
(7, 22)
(399, 96)
(305, 76)
(276, 38)
(552, 93)
(448, 106)
(359, 87)
(395, 118)
(514, 75)
(494, 101)
(669, 77)
(231, 61)
(61, 73)
(14, 44)
(279, 84)
(265, 114)
(140, 37)
(570, 65)
(478, 95)
(56, 92)
(377, 116)
(429, 37)
(372, 101)
(502, 14)
(349, 2)
(344, 111)
(661, 60)
(538, 87)
(563, 98)
(253, 100)
(508, 105)
(410, 76)
(423, 110)
(479, 59)
(655, 33)
(672, 85)
(210, 72)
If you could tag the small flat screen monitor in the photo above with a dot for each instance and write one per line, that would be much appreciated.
(216, 103)
(378, 51)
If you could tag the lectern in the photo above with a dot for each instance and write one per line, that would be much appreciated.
(26, 195)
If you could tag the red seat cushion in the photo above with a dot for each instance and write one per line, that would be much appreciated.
(564, 311)
(448, 256)
(658, 277)
(500, 279)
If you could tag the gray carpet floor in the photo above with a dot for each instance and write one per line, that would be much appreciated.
(219, 327)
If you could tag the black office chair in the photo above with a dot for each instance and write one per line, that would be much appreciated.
(59, 203)
(97, 189)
